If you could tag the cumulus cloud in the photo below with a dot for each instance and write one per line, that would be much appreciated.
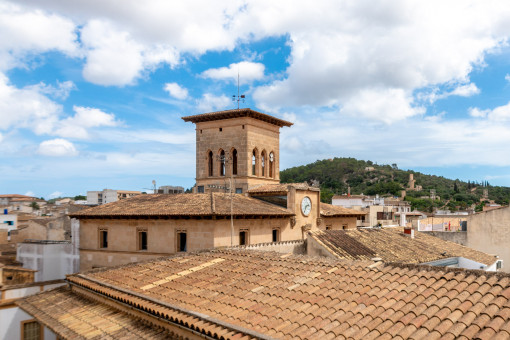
(176, 91)
(388, 105)
(26, 108)
(55, 194)
(248, 72)
(57, 148)
(85, 118)
(210, 102)
(60, 91)
(30, 193)
(26, 31)
(500, 113)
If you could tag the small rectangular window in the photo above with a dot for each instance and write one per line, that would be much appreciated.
(103, 238)
(243, 237)
(181, 241)
(200, 189)
(221, 129)
(31, 330)
(276, 235)
(498, 264)
(239, 190)
(328, 227)
(142, 240)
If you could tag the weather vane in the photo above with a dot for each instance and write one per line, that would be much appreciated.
(239, 97)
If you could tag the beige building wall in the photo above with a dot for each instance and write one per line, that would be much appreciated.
(338, 223)
(3, 236)
(162, 237)
(452, 221)
(489, 231)
(36, 231)
(245, 135)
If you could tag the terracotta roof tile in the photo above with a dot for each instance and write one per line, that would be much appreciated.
(215, 204)
(391, 245)
(248, 291)
(228, 114)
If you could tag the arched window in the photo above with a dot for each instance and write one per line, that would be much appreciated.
(263, 163)
(210, 163)
(271, 165)
(234, 162)
(254, 163)
(222, 163)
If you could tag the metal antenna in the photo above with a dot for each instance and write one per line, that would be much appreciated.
(239, 97)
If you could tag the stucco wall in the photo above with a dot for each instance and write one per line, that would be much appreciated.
(489, 232)
(338, 223)
(459, 237)
(314, 248)
(161, 237)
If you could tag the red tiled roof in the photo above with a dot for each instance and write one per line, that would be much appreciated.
(214, 204)
(280, 188)
(329, 210)
(391, 245)
(227, 114)
(229, 294)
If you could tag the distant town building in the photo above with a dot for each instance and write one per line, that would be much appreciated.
(108, 196)
(167, 189)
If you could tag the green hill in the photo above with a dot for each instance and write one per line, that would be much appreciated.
(336, 175)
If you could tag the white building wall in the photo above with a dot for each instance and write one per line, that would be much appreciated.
(109, 196)
(6, 218)
(92, 197)
(53, 261)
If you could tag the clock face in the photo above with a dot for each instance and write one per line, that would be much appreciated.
(306, 206)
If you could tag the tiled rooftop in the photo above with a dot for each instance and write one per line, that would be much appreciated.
(391, 245)
(215, 204)
(280, 188)
(75, 317)
(229, 293)
(227, 114)
(329, 210)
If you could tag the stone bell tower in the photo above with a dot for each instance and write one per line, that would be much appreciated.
(241, 144)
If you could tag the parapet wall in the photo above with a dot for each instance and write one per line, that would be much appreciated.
(294, 247)
(459, 237)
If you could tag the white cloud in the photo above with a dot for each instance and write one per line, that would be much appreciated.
(507, 77)
(210, 102)
(26, 108)
(248, 72)
(55, 194)
(466, 90)
(85, 118)
(26, 31)
(60, 91)
(500, 113)
(57, 148)
(176, 91)
(388, 105)
(30, 193)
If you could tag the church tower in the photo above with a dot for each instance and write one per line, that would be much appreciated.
(241, 144)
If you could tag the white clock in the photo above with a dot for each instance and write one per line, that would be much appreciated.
(306, 206)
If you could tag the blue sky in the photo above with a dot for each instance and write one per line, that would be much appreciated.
(92, 93)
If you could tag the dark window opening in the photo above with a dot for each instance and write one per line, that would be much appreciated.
(253, 163)
(234, 162)
(263, 163)
(498, 265)
(142, 240)
(243, 237)
(221, 129)
(103, 239)
(181, 241)
(210, 162)
(243, 127)
(344, 226)
(239, 190)
(276, 235)
(222, 163)
(328, 227)
(9, 278)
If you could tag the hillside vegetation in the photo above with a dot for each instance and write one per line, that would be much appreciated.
(336, 175)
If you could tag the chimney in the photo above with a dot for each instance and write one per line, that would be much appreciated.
(409, 232)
